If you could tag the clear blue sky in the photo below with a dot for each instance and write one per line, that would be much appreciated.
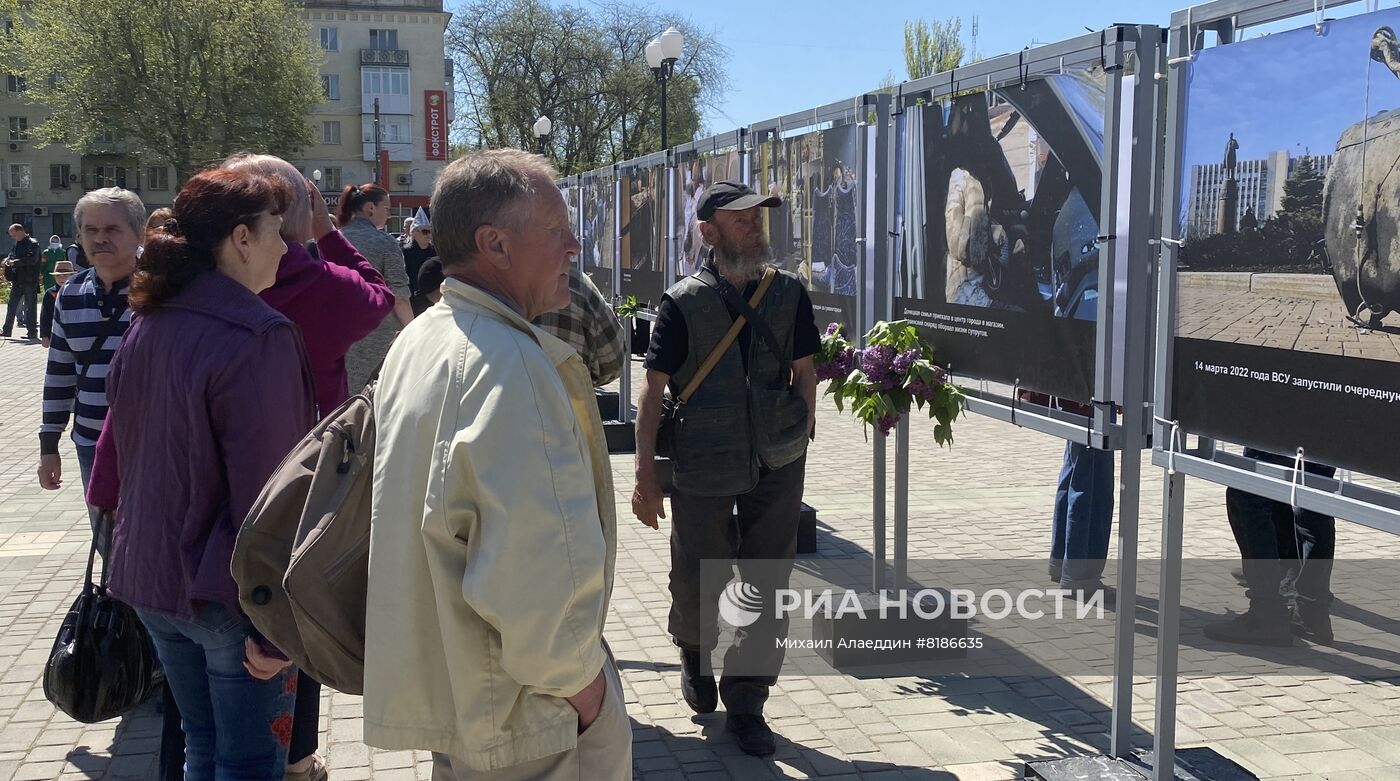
(1293, 90)
(787, 56)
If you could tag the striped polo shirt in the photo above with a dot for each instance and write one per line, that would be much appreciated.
(88, 325)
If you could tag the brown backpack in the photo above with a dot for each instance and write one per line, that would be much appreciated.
(302, 557)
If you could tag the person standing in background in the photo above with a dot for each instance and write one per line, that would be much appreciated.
(62, 272)
(364, 211)
(417, 248)
(22, 270)
(52, 255)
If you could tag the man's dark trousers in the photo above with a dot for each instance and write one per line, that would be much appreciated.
(1275, 537)
(764, 542)
(27, 292)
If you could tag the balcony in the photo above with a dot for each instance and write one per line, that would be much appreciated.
(388, 104)
(384, 57)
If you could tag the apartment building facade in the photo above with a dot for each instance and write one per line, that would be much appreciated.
(389, 50)
(392, 52)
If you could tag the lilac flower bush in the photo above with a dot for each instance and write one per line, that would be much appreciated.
(892, 374)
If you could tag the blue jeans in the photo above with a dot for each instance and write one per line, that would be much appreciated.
(86, 454)
(236, 727)
(1083, 515)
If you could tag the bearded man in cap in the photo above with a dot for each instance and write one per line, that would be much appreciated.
(739, 438)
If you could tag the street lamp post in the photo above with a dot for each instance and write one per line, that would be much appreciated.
(542, 127)
(662, 53)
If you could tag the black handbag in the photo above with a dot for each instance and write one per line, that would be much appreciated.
(102, 663)
(673, 407)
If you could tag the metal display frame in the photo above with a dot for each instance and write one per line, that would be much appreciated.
(1341, 498)
(1128, 205)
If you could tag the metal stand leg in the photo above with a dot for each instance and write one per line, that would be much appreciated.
(1168, 627)
(1125, 625)
(878, 511)
(625, 382)
(901, 504)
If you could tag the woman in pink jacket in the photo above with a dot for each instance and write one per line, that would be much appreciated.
(336, 299)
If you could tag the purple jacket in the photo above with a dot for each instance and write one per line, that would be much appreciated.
(335, 300)
(207, 395)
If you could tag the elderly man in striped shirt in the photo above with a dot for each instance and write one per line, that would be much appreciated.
(90, 318)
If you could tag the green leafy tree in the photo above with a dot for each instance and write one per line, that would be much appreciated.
(932, 47)
(186, 82)
(584, 68)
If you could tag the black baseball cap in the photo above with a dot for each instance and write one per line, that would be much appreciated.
(732, 196)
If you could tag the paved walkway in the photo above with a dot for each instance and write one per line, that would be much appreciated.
(988, 498)
(1287, 322)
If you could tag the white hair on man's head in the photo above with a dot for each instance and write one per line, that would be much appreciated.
(296, 220)
(114, 196)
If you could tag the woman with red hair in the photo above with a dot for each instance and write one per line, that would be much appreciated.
(209, 392)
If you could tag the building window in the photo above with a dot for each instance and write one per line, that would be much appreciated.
(15, 83)
(330, 178)
(105, 137)
(330, 85)
(330, 39)
(330, 132)
(157, 178)
(58, 176)
(63, 224)
(393, 128)
(383, 39)
(108, 176)
(21, 176)
(383, 81)
(19, 128)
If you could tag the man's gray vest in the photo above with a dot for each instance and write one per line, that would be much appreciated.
(736, 424)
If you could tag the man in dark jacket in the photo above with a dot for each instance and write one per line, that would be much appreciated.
(728, 454)
(22, 269)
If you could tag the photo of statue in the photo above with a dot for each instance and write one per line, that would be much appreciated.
(1307, 206)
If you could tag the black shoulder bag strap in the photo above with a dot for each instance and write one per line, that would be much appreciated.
(108, 329)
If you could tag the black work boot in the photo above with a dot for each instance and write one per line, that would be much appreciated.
(1256, 626)
(697, 682)
(1312, 621)
(752, 734)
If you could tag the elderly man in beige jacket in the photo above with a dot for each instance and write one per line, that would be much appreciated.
(493, 531)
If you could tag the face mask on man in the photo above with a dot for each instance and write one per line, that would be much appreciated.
(55, 245)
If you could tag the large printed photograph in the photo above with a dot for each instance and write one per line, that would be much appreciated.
(596, 232)
(642, 214)
(1288, 277)
(815, 233)
(693, 177)
(1000, 202)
